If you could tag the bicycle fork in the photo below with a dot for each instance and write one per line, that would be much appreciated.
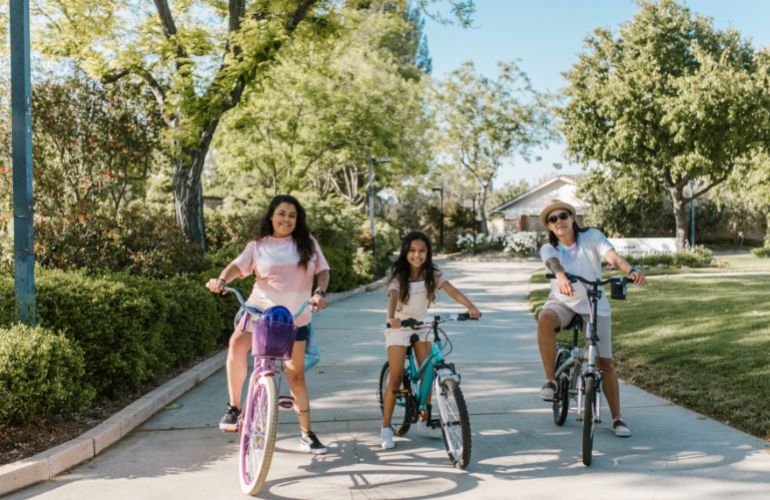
(590, 359)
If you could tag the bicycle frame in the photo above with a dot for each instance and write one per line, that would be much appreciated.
(425, 370)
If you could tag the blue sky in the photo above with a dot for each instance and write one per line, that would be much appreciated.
(546, 36)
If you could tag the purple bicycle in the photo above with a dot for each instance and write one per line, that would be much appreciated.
(272, 339)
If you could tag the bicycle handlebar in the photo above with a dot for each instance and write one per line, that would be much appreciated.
(575, 278)
(415, 323)
(252, 309)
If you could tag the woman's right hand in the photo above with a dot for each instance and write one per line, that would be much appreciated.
(394, 323)
(563, 284)
(216, 285)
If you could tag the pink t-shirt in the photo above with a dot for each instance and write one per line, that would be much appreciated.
(280, 281)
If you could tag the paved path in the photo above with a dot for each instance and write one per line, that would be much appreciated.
(517, 450)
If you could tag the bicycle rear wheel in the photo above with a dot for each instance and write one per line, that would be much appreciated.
(589, 400)
(455, 422)
(405, 405)
(258, 434)
(561, 398)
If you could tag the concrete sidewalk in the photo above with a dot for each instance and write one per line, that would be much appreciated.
(517, 450)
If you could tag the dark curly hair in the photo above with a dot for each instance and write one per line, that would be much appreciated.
(401, 271)
(301, 233)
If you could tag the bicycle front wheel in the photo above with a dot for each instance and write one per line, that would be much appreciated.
(561, 398)
(258, 434)
(455, 422)
(589, 400)
(405, 405)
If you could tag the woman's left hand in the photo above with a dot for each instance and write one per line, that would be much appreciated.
(474, 313)
(318, 302)
(638, 278)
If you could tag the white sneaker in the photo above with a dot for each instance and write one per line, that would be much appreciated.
(386, 438)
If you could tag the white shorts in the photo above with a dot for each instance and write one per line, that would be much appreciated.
(603, 324)
(401, 336)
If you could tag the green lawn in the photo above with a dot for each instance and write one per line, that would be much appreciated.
(703, 344)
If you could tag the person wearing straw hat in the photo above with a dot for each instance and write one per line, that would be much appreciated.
(576, 250)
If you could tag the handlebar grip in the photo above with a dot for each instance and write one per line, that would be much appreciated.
(550, 276)
(466, 317)
(410, 322)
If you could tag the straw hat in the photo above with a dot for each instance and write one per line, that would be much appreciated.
(555, 205)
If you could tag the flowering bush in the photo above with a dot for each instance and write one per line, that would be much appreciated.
(522, 243)
(483, 243)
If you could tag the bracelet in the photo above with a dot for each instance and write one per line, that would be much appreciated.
(320, 293)
(633, 269)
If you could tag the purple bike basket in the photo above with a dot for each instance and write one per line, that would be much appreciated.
(271, 339)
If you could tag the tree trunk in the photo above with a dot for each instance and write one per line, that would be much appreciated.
(680, 216)
(483, 210)
(188, 190)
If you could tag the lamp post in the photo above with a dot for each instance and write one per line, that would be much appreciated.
(692, 214)
(23, 230)
(440, 190)
(372, 162)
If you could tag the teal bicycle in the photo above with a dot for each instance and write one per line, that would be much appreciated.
(442, 377)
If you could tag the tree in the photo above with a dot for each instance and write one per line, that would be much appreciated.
(482, 123)
(324, 110)
(197, 59)
(670, 102)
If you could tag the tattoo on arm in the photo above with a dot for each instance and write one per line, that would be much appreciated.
(554, 265)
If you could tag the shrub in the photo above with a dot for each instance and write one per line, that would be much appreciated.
(698, 256)
(483, 243)
(522, 243)
(41, 374)
(762, 252)
(341, 262)
(139, 241)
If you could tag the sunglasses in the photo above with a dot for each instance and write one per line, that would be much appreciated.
(554, 218)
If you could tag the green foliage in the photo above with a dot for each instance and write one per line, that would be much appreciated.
(138, 240)
(324, 111)
(130, 329)
(41, 374)
(93, 145)
(665, 101)
(762, 252)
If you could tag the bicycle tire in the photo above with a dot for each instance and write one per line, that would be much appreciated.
(405, 403)
(453, 414)
(258, 434)
(561, 401)
(589, 424)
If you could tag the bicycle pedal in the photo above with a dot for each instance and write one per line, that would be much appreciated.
(434, 423)
(285, 402)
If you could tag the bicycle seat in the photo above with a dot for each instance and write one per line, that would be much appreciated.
(575, 322)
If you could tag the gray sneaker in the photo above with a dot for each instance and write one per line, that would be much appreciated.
(548, 391)
(620, 428)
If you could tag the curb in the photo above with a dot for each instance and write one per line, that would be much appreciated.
(48, 464)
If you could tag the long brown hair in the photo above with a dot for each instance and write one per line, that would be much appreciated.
(301, 233)
(401, 270)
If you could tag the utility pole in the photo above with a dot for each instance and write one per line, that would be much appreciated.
(21, 125)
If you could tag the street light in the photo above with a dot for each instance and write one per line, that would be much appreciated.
(372, 162)
(440, 190)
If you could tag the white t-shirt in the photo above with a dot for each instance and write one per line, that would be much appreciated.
(417, 306)
(584, 258)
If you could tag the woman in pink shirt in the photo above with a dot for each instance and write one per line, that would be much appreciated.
(284, 258)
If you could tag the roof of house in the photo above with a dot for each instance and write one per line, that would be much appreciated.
(535, 191)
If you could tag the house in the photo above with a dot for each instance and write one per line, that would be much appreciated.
(521, 213)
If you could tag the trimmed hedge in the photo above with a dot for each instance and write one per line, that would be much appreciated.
(131, 330)
(42, 373)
